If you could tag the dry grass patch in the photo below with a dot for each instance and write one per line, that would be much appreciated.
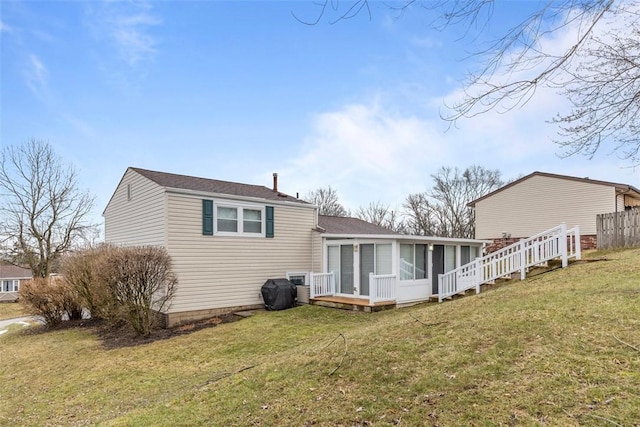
(544, 351)
(9, 310)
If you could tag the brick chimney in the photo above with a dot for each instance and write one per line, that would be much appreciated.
(275, 182)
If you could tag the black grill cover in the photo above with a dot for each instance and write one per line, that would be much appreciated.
(278, 294)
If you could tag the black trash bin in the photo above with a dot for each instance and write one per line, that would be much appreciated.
(278, 294)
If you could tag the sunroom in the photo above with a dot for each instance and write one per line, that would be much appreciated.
(379, 270)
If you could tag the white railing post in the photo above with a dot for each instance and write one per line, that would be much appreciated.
(578, 243)
(523, 259)
(440, 290)
(332, 283)
(563, 245)
(312, 288)
(477, 276)
(372, 289)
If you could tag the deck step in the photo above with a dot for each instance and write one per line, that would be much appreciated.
(353, 304)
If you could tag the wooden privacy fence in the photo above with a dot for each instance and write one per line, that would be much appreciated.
(618, 229)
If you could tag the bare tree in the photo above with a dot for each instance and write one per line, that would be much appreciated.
(422, 218)
(326, 199)
(43, 213)
(382, 215)
(598, 70)
(443, 210)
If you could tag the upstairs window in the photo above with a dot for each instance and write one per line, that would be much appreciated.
(229, 219)
(252, 221)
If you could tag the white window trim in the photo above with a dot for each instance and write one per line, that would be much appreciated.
(299, 273)
(428, 266)
(240, 210)
(14, 285)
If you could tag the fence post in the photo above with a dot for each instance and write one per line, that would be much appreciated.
(372, 290)
(563, 244)
(477, 273)
(599, 233)
(523, 259)
(312, 288)
(439, 287)
(332, 283)
(578, 243)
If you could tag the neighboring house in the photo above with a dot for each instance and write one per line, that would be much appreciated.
(226, 239)
(541, 200)
(10, 278)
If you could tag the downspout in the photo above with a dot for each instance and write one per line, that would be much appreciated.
(313, 237)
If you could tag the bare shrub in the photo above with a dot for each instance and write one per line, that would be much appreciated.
(86, 272)
(51, 299)
(142, 282)
(69, 297)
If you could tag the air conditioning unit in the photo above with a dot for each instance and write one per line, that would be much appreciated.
(301, 280)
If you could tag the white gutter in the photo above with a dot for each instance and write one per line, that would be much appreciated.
(432, 239)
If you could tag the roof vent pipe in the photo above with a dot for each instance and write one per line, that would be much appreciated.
(275, 182)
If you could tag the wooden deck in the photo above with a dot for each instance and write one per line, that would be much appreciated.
(349, 303)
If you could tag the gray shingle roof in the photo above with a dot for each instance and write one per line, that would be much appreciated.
(207, 185)
(14, 272)
(617, 185)
(346, 225)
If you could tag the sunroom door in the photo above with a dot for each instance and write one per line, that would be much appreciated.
(340, 261)
(367, 265)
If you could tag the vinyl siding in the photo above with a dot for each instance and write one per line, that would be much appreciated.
(139, 221)
(316, 262)
(539, 203)
(228, 271)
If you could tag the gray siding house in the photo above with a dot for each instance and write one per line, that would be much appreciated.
(11, 277)
(226, 239)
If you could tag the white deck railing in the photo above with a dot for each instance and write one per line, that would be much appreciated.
(462, 278)
(322, 284)
(556, 242)
(382, 288)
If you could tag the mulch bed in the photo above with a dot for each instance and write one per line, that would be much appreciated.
(121, 336)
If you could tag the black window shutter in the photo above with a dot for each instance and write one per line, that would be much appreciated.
(207, 217)
(269, 222)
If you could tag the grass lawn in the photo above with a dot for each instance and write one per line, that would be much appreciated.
(9, 310)
(560, 348)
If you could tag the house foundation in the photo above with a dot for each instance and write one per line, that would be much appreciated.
(588, 241)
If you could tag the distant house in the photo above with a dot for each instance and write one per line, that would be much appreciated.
(10, 278)
(542, 200)
(226, 239)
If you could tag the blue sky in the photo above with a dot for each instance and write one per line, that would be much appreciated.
(239, 90)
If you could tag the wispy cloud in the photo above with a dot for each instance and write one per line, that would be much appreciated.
(369, 152)
(5, 28)
(366, 151)
(126, 26)
(36, 76)
(426, 42)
